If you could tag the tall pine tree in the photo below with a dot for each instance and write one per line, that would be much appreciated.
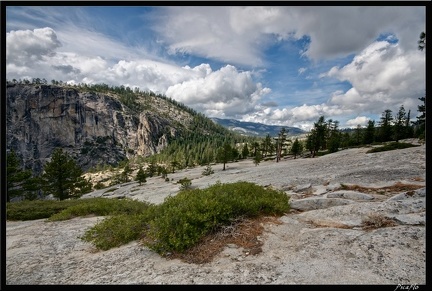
(16, 177)
(62, 177)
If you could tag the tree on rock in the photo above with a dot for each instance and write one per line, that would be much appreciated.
(62, 177)
(296, 148)
(141, 176)
(16, 177)
(225, 154)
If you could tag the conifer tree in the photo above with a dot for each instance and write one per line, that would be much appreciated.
(296, 148)
(245, 151)
(140, 176)
(15, 176)
(385, 130)
(369, 134)
(225, 154)
(257, 158)
(399, 128)
(62, 177)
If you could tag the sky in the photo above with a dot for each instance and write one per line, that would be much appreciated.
(277, 65)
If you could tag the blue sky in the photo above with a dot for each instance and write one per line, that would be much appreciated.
(281, 65)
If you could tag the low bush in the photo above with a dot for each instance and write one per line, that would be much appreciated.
(176, 225)
(392, 146)
(101, 207)
(37, 209)
(182, 220)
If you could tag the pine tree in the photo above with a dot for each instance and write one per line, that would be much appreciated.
(369, 134)
(280, 143)
(62, 177)
(16, 177)
(399, 128)
(225, 154)
(141, 176)
(245, 151)
(421, 120)
(296, 148)
(385, 131)
(257, 158)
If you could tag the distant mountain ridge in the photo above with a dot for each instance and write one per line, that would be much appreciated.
(254, 128)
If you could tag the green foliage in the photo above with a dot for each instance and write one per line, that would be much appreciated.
(369, 134)
(175, 225)
(245, 151)
(39, 209)
(385, 131)
(62, 177)
(54, 210)
(296, 148)
(115, 231)
(99, 185)
(185, 183)
(17, 179)
(280, 143)
(257, 159)
(225, 154)
(182, 220)
(422, 41)
(316, 139)
(141, 176)
(391, 146)
(208, 171)
(101, 207)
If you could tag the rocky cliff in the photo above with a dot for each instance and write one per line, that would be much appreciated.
(95, 128)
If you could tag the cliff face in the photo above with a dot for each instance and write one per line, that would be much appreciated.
(95, 128)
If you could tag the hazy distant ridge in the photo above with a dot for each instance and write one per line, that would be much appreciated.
(255, 129)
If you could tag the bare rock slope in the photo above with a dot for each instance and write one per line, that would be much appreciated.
(356, 218)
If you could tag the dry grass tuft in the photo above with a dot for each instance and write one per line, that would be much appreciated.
(376, 220)
(242, 232)
(398, 187)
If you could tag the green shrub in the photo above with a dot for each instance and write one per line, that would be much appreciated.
(54, 210)
(185, 183)
(99, 185)
(391, 146)
(101, 207)
(208, 171)
(37, 209)
(115, 231)
(175, 225)
(184, 219)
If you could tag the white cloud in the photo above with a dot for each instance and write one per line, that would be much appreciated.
(359, 120)
(29, 46)
(225, 92)
(383, 76)
(239, 34)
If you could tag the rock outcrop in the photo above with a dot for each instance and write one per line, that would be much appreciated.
(361, 241)
(95, 128)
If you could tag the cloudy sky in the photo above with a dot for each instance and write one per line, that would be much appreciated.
(283, 65)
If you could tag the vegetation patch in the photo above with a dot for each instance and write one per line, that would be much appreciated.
(376, 220)
(398, 187)
(242, 232)
(391, 146)
(37, 209)
(101, 207)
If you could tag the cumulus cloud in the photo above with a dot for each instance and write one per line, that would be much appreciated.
(239, 34)
(359, 120)
(25, 46)
(383, 76)
(225, 92)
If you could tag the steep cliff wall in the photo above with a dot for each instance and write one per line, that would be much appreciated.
(94, 128)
